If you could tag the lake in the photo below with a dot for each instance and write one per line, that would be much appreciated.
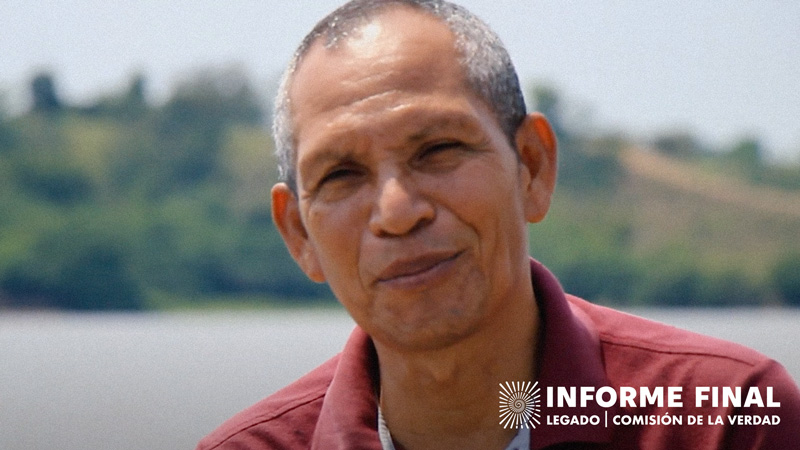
(162, 381)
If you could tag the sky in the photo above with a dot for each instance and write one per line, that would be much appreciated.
(721, 70)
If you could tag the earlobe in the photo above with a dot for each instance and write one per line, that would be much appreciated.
(537, 147)
(286, 215)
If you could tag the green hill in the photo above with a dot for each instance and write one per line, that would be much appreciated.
(672, 231)
(126, 205)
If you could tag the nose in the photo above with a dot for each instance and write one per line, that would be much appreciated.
(399, 208)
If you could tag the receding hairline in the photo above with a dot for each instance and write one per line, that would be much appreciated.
(331, 48)
(330, 27)
(330, 40)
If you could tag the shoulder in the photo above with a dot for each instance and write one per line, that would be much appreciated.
(641, 352)
(286, 418)
(634, 347)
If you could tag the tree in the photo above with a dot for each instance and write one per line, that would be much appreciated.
(7, 138)
(584, 162)
(192, 124)
(135, 97)
(747, 156)
(44, 94)
(547, 101)
(83, 274)
(785, 276)
(679, 143)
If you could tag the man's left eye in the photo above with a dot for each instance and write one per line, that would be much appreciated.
(439, 148)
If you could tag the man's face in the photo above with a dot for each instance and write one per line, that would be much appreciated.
(411, 201)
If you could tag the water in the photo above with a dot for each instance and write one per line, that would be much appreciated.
(162, 381)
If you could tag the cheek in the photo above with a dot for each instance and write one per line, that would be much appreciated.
(330, 228)
(492, 208)
(486, 195)
(335, 230)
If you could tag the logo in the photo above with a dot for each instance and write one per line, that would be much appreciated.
(519, 404)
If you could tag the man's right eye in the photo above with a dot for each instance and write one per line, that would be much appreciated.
(338, 174)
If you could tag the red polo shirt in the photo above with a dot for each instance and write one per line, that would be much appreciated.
(335, 406)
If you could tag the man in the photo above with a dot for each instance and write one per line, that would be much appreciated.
(411, 171)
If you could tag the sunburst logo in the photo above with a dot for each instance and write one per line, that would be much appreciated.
(519, 404)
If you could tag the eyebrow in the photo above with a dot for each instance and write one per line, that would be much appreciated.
(444, 122)
(433, 124)
(321, 158)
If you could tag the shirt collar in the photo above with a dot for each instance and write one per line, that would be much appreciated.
(348, 418)
(570, 356)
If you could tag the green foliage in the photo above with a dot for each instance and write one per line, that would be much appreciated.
(785, 276)
(615, 237)
(125, 205)
(120, 204)
(40, 163)
(75, 265)
(747, 159)
(590, 165)
(679, 144)
(45, 98)
(127, 106)
(584, 162)
(8, 138)
(676, 279)
(610, 280)
(731, 287)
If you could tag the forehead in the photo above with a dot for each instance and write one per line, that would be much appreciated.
(399, 49)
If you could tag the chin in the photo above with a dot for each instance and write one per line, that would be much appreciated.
(427, 335)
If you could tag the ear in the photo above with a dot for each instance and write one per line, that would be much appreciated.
(286, 215)
(537, 147)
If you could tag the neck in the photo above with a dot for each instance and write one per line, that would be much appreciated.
(448, 398)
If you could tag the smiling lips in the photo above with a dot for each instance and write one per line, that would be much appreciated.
(417, 270)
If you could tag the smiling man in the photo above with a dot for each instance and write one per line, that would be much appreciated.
(411, 171)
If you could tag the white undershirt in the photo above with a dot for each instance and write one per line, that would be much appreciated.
(522, 440)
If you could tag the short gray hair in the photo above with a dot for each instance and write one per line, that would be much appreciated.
(487, 65)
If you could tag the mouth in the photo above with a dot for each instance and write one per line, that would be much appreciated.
(417, 271)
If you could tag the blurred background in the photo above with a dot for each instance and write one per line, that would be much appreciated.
(136, 163)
